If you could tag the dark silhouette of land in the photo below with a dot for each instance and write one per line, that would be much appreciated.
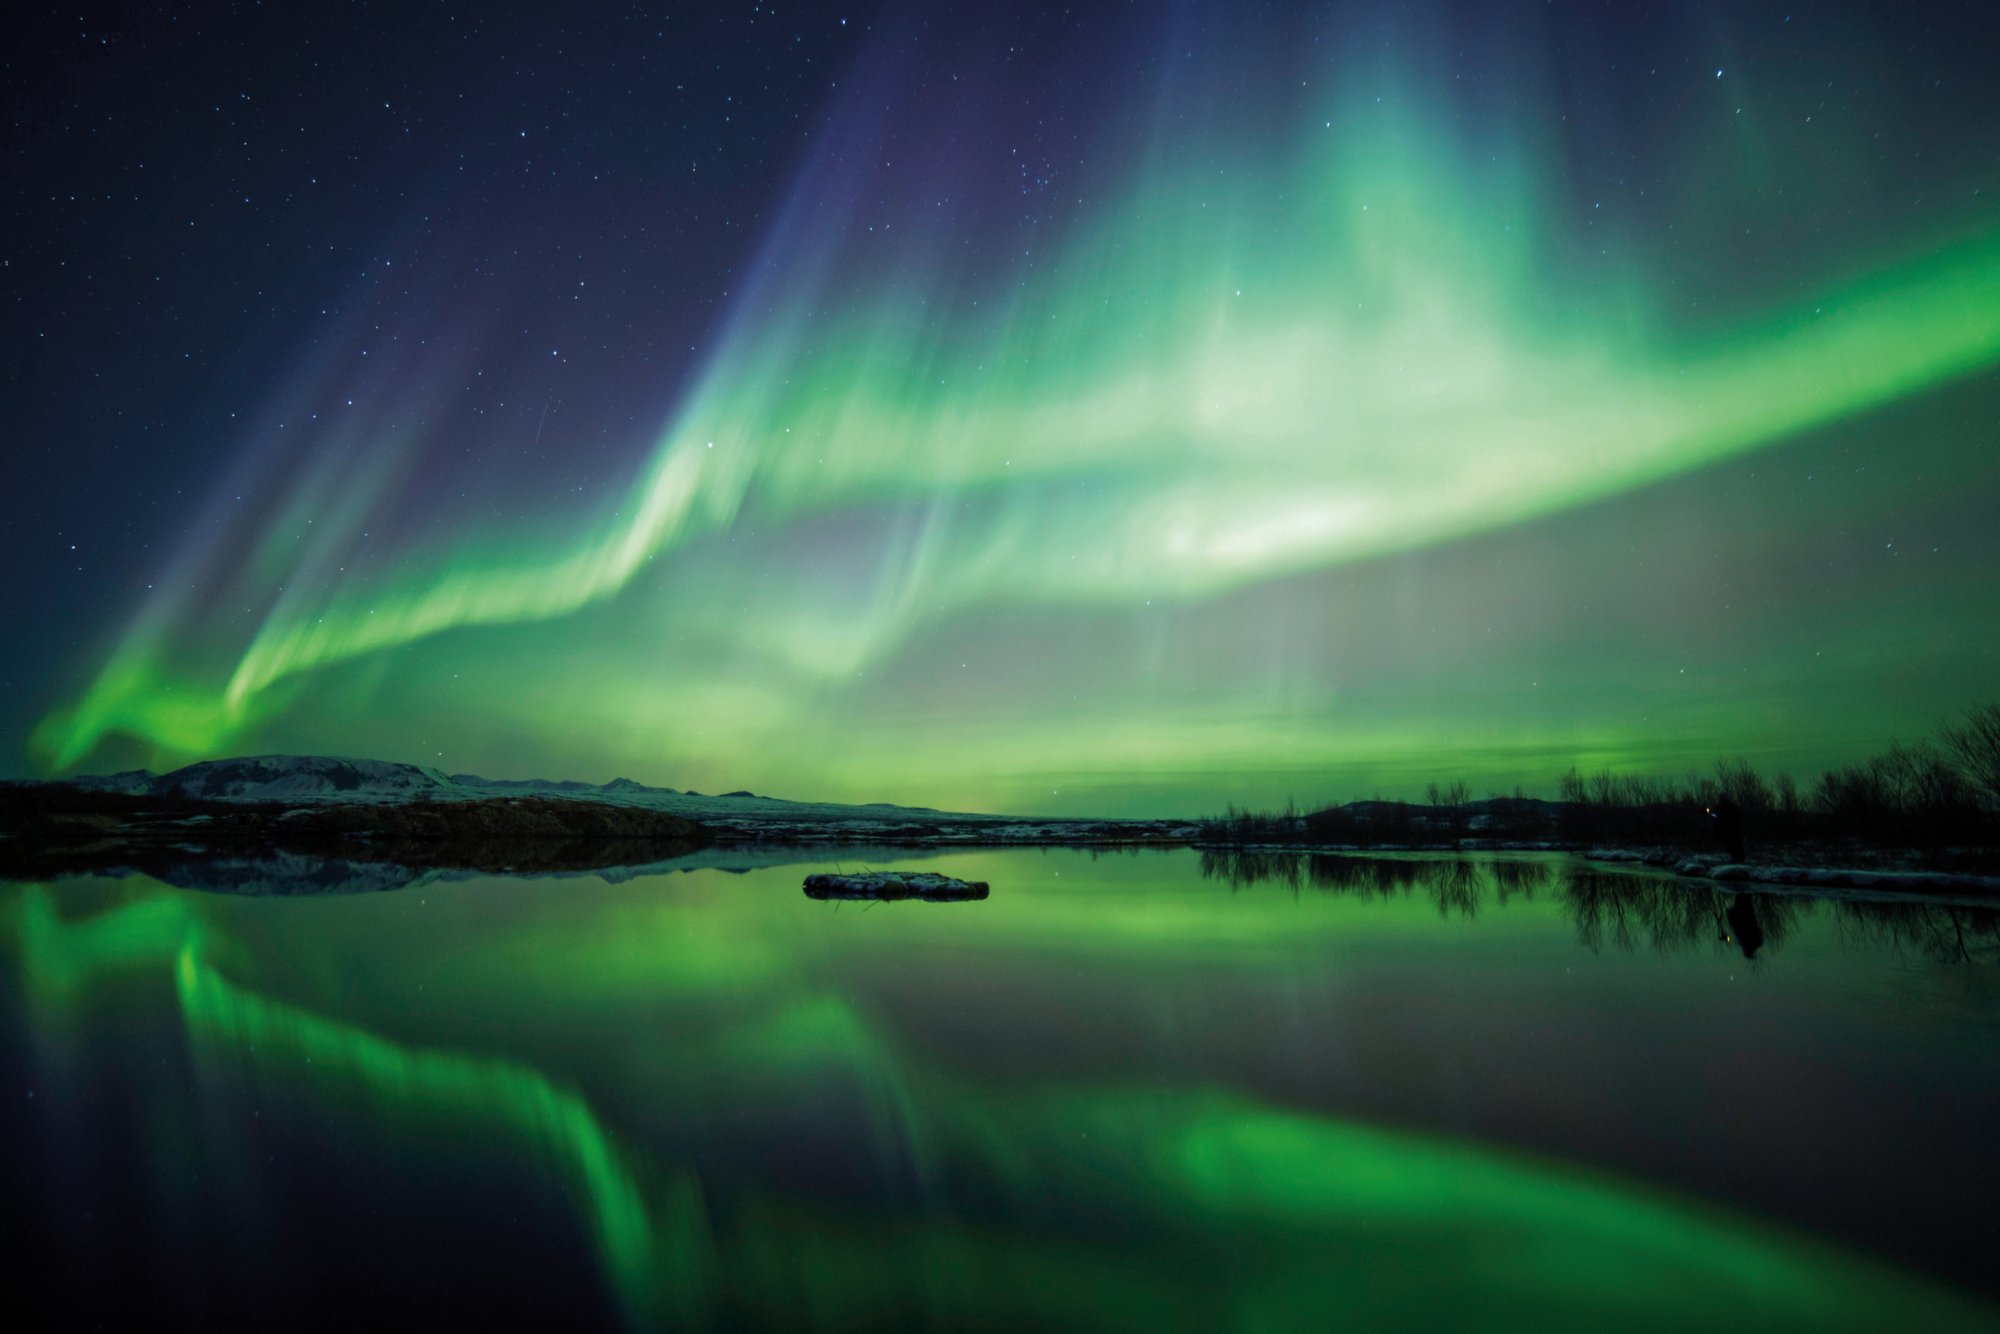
(1916, 818)
(54, 829)
(1931, 805)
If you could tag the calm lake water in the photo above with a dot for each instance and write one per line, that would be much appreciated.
(1144, 1091)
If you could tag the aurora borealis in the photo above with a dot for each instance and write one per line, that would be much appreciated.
(1015, 411)
(743, 1107)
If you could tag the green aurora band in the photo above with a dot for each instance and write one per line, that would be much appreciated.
(1379, 338)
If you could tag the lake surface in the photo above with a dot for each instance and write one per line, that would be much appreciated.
(1155, 1090)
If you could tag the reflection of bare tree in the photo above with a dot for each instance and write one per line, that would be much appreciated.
(1381, 877)
(1608, 905)
(1455, 888)
(1946, 933)
(1247, 867)
(1623, 909)
(1523, 878)
(1627, 910)
(1456, 885)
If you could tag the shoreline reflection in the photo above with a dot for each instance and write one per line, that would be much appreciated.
(1625, 910)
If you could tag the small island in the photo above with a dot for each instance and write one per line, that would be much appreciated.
(889, 886)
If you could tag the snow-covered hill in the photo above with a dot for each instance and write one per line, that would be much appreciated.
(312, 779)
(294, 778)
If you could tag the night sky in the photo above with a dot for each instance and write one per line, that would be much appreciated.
(1103, 409)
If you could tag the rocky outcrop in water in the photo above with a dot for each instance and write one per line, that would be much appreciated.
(887, 886)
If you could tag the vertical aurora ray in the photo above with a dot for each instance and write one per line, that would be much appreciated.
(1257, 353)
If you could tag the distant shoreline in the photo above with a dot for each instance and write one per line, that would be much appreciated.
(53, 830)
(253, 811)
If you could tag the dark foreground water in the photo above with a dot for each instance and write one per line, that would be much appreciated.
(1143, 1091)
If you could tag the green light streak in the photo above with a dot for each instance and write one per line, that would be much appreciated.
(655, 1253)
(359, 1070)
(1372, 344)
(62, 959)
(1282, 466)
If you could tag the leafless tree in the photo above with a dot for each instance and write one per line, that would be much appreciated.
(1974, 745)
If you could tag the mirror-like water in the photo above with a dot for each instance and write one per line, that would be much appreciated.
(1161, 1090)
